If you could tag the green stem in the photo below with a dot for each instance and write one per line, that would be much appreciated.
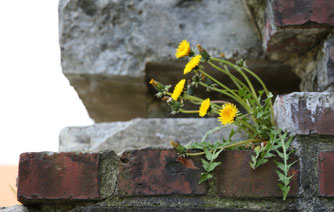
(247, 125)
(244, 129)
(219, 101)
(236, 98)
(188, 97)
(257, 78)
(267, 93)
(226, 147)
(231, 94)
(188, 111)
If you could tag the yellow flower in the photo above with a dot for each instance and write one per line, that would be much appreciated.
(192, 64)
(183, 49)
(203, 109)
(178, 89)
(153, 82)
(227, 113)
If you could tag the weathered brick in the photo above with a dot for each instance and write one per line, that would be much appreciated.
(48, 176)
(158, 172)
(236, 178)
(299, 12)
(296, 25)
(326, 173)
(305, 113)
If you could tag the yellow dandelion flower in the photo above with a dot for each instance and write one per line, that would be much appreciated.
(153, 82)
(178, 89)
(183, 49)
(174, 144)
(203, 109)
(192, 64)
(227, 113)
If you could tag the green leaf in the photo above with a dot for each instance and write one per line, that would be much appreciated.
(280, 165)
(204, 177)
(280, 154)
(216, 154)
(208, 154)
(281, 176)
(205, 164)
(213, 165)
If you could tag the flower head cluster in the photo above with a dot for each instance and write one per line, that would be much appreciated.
(227, 114)
(192, 64)
(203, 109)
(183, 49)
(178, 89)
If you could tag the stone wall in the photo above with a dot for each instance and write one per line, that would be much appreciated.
(110, 49)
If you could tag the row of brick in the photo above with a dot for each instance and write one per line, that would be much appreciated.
(53, 177)
(292, 25)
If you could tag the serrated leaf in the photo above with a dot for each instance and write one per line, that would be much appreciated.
(213, 166)
(204, 177)
(205, 164)
(216, 154)
(287, 144)
(261, 162)
(269, 155)
(281, 176)
(208, 154)
(280, 154)
(291, 164)
(280, 165)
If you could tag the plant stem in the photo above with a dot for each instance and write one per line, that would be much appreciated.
(226, 147)
(236, 98)
(257, 78)
(219, 101)
(241, 72)
(188, 111)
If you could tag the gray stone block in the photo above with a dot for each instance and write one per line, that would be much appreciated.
(106, 46)
(140, 133)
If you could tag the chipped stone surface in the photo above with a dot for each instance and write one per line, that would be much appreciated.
(158, 172)
(140, 133)
(305, 113)
(106, 46)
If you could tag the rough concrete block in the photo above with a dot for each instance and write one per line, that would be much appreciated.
(326, 173)
(149, 172)
(106, 46)
(48, 176)
(305, 113)
(324, 71)
(236, 178)
(141, 133)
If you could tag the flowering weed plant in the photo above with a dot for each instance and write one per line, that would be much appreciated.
(265, 139)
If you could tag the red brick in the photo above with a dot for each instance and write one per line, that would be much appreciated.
(57, 176)
(305, 113)
(158, 172)
(299, 12)
(236, 178)
(288, 24)
(326, 173)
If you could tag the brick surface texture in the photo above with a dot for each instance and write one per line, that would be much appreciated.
(236, 178)
(53, 176)
(326, 173)
(299, 12)
(158, 172)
